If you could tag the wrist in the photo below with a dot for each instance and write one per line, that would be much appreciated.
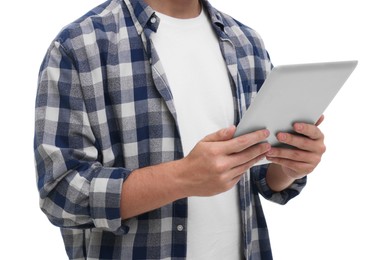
(277, 179)
(178, 170)
(150, 188)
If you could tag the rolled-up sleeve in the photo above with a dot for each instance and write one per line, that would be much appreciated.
(258, 177)
(75, 189)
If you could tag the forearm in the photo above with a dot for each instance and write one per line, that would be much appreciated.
(214, 166)
(276, 179)
(150, 188)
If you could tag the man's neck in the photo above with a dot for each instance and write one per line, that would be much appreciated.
(183, 9)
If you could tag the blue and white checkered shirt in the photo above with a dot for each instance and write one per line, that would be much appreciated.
(104, 109)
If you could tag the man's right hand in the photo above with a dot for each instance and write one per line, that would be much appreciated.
(213, 166)
(218, 161)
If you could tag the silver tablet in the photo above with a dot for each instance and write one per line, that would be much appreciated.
(294, 93)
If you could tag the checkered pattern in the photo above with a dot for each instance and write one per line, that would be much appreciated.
(104, 108)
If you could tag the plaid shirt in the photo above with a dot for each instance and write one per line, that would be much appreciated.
(104, 109)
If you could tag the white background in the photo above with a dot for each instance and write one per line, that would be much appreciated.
(343, 213)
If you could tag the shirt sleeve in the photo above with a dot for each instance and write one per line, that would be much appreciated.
(75, 189)
(258, 174)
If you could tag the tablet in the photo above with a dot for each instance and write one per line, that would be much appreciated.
(294, 93)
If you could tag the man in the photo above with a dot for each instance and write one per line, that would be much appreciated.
(134, 144)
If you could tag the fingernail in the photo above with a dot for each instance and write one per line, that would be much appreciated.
(298, 127)
(282, 137)
(227, 130)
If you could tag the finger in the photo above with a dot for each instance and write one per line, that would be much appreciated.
(309, 130)
(221, 135)
(294, 155)
(298, 167)
(249, 154)
(301, 142)
(243, 142)
(239, 170)
(237, 178)
(320, 120)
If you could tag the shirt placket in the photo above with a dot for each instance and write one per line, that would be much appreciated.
(179, 207)
(230, 56)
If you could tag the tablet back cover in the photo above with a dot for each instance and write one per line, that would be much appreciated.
(294, 93)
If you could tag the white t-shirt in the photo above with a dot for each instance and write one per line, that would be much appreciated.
(198, 78)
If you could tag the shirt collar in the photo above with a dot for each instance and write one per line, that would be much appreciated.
(215, 16)
(145, 17)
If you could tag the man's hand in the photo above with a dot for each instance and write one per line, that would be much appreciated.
(213, 166)
(218, 161)
(309, 144)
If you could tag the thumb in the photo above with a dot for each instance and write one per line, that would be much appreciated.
(320, 120)
(221, 135)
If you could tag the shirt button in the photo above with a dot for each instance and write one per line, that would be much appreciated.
(180, 227)
(153, 20)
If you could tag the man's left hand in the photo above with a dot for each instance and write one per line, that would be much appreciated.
(308, 149)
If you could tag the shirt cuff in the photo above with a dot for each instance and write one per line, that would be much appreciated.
(105, 197)
(258, 174)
